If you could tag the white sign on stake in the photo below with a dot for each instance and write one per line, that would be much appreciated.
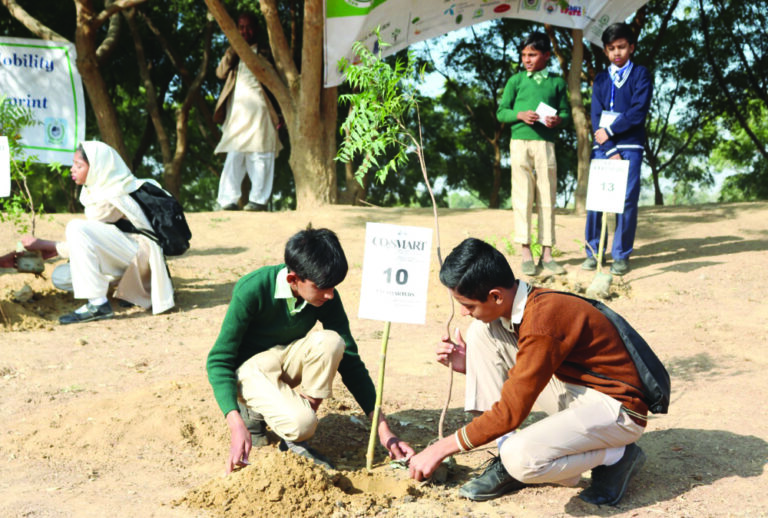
(607, 186)
(5, 168)
(395, 273)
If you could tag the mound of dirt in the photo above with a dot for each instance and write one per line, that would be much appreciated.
(284, 484)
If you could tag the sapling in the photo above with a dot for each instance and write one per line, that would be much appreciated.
(383, 106)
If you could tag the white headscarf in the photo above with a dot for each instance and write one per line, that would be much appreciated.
(108, 176)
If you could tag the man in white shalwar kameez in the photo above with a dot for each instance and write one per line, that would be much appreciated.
(249, 134)
(99, 252)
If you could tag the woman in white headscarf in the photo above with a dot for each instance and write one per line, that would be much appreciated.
(99, 252)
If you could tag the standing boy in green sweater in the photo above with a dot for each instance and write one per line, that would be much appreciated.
(268, 367)
(535, 104)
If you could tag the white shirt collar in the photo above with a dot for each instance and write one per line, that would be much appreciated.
(614, 71)
(518, 306)
(283, 291)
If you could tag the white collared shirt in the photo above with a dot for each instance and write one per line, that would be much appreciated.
(283, 291)
(518, 306)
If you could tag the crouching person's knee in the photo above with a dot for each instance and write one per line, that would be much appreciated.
(300, 427)
(327, 344)
(76, 231)
(519, 463)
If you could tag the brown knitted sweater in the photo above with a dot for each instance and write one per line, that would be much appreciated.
(561, 336)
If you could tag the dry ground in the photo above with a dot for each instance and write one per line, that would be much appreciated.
(116, 418)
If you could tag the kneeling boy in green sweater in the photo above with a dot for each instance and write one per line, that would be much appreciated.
(267, 367)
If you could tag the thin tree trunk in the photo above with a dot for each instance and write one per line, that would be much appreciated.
(581, 121)
(152, 102)
(493, 200)
(98, 94)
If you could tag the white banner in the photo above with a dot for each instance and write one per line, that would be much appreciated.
(404, 22)
(42, 75)
(395, 273)
(607, 187)
(5, 168)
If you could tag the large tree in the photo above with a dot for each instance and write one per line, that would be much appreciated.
(296, 82)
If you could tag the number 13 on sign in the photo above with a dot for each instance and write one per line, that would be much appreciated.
(607, 185)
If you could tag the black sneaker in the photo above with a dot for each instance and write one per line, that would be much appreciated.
(609, 483)
(492, 483)
(88, 313)
(229, 206)
(255, 423)
(620, 266)
(303, 449)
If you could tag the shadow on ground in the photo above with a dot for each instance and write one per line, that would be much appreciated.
(679, 460)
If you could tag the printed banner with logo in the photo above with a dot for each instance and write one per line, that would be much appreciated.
(404, 22)
(42, 75)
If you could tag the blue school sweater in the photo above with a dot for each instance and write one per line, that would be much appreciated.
(632, 100)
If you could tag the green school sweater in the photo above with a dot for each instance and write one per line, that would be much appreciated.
(256, 321)
(523, 93)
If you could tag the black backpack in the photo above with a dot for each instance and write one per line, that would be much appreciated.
(170, 229)
(656, 384)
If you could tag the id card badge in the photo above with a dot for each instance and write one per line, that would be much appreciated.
(607, 118)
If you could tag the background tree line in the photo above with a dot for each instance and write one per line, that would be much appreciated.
(148, 70)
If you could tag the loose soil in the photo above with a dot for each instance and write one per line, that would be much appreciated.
(117, 418)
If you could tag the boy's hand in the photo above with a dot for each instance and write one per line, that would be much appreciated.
(397, 448)
(601, 136)
(617, 156)
(8, 260)
(422, 465)
(552, 121)
(239, 443)
(455, 351)
(528, 117)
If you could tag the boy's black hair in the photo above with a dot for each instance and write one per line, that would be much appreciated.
(618, 31)
(474, 268)
(315, 254)
(539, 41)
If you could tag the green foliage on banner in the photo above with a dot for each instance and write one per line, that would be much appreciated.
(383, 100)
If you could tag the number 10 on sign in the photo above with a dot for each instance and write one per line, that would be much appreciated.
(395, 273)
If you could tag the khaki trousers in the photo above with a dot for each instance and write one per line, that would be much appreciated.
(266, 382)
(581, 423)
(534, 171)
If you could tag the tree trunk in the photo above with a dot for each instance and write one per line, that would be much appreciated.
(313, 148)
(308, 108)
(493, 200)
(658, 196)
(354, 190)
(87, 64)
(581, 122)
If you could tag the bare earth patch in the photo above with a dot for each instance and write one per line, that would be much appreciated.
(117, 417)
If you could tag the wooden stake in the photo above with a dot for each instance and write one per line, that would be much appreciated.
(379, 397)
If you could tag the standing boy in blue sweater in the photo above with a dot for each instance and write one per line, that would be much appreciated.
(621, 98)
(532, 147)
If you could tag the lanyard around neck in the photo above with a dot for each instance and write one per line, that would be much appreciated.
(621, 77)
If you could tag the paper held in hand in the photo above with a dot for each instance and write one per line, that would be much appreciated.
(543, 111)
(5, 168)
(607, 186)
(395, 273)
